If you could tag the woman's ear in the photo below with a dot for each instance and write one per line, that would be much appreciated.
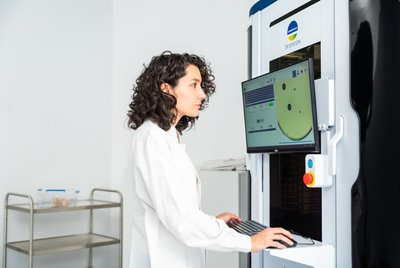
(165, 87)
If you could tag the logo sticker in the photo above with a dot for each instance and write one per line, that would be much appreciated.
(292, 30)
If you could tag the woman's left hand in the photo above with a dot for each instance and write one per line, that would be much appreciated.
(227, 216)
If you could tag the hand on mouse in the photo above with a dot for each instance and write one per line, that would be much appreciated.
(267, 238)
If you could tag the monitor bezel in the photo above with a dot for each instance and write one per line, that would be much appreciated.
(289, 148)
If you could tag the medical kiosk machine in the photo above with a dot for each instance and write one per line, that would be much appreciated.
(321, 110)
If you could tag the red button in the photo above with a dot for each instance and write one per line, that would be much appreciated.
(308, 179)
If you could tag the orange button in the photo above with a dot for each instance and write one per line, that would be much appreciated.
(308, 178)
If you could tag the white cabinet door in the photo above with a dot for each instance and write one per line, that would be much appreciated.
(225, 191)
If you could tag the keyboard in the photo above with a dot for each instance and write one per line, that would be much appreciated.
(248, 227)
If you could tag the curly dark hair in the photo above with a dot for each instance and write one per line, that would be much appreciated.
(150, 102)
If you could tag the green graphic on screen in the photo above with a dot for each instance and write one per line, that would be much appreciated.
(293, 107)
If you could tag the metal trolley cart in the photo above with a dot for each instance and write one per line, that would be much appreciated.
(34, 247)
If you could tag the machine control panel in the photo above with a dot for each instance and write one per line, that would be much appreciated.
(316, 174)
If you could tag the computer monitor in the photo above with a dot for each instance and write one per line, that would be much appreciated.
(280, 111)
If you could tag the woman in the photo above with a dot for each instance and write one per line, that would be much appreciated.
(169, 228)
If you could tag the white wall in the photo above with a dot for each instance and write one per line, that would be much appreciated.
(66, 73)
(55, 108)
(216, 30)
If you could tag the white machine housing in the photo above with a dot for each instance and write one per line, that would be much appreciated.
(327, 22)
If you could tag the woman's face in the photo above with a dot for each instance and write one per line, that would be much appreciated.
(188, 93)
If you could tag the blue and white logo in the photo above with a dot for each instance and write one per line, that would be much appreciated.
(292, 30)
(292, 35)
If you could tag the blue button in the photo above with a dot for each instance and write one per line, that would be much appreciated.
(310, 163)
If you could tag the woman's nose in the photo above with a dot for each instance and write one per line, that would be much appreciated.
(202, 94)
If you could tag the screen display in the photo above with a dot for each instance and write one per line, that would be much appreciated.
(280, 111)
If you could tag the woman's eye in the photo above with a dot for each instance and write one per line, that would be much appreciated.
(194, 85)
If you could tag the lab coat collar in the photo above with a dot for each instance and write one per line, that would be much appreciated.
(172, 132)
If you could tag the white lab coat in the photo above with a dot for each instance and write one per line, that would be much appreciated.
(169, 229)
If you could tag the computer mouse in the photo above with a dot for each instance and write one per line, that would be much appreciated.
(286, 244)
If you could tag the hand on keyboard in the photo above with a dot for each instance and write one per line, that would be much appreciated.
(227, 216)
(248, 227)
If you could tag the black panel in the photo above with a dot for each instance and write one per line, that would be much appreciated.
(293, 205)
(312, 51)
(375, 94)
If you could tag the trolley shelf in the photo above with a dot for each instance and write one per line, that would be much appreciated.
(63, 243)
(80, 205)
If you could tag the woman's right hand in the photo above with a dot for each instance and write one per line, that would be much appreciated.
(267, 237)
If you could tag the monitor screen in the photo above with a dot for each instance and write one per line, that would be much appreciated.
(280, 111)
